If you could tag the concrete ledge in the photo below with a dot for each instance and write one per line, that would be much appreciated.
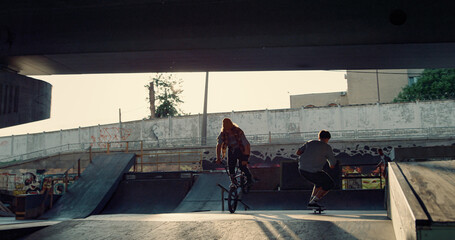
(404, 209)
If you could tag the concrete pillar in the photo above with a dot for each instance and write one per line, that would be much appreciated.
(99, 132)
(79, 132)
(418, 114)
(44, 142)
(199, 125)
(302, 120)
(170, 126)
(379, 118)
(26, 144)
(204, 116)
(340, 117)
(12, 145)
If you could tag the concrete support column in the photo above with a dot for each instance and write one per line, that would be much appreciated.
(98, 135)
(418, 115)
(379, 118)
(12, 145)
(199, 125)
(44, 143)
(204, 116)
(340, 117)
(302, 120)
(27, 150)
(170, 126)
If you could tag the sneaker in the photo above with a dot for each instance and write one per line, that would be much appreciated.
(313, 205)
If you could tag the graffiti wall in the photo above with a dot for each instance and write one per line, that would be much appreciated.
(110, 134)
(33, 182)
(263, 156)
(361, 165)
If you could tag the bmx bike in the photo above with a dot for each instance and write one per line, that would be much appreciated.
(237, 188)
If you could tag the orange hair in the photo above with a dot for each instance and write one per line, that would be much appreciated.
(228, 124)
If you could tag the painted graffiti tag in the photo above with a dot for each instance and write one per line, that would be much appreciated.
(111, 134)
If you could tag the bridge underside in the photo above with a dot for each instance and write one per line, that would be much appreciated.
(110, 36)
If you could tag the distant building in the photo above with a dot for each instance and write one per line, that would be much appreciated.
(364, 87)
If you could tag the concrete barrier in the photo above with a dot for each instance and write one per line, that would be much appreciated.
(403, 207)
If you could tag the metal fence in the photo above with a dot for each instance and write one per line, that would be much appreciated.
(270, 138)
(169, 161)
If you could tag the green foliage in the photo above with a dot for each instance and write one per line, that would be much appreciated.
(434, 84)
(167, 95)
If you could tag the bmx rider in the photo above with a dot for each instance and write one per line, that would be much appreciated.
(233, 138)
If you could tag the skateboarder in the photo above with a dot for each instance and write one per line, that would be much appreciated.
(313, 156)
(233, 138)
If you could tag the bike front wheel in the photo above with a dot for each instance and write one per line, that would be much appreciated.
(233, 198)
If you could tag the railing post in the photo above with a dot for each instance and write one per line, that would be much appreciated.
(90, 153)
(222, 199)
(156, 161)
(52, 193)
(66, 181)
(200, 161)
(127, 146)
(142, 154)
(79, 168)
(108, 146)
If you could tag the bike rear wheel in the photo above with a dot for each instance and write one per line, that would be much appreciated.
(233, 198)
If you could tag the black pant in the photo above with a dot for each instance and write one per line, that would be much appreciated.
(235, 156)
(319, 179)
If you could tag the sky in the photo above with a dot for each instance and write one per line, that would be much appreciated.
(90, 99)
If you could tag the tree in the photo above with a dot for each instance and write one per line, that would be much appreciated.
(164, 89)
(432, 85)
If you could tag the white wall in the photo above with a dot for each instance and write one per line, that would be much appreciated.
(359, 117)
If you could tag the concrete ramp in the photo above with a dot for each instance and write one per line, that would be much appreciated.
(145, 196)
(89, 194)
(338, 225)
(205, 195)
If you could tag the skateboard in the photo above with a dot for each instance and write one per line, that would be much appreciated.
(317, 210)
